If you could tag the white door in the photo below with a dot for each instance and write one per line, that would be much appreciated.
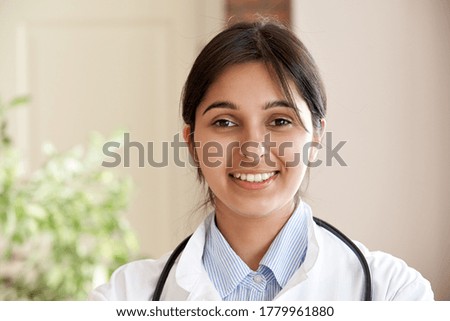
(105, 65)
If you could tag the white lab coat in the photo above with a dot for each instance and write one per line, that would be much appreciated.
(331, 271)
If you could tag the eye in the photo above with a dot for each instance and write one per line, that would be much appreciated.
(280, 122)
(223, 123)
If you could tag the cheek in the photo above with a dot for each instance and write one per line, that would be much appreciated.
(211, 152)
(293, 151)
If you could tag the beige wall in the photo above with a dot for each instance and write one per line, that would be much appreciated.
(101, 66)
(386, 67)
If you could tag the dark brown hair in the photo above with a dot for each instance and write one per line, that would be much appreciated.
(263, 40)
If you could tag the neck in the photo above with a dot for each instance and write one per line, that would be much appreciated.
(250, 237)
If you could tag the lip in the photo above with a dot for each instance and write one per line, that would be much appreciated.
(254, 185)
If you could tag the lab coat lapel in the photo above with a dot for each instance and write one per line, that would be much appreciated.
(290, 291)
(190, 273)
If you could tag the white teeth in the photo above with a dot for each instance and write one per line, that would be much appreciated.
(254, 177)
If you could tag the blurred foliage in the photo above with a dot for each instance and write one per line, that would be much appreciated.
(61, 224)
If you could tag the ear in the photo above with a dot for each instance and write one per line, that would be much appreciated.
(317, 139)
(188, 136)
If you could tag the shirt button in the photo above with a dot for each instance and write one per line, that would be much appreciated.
(258, 278)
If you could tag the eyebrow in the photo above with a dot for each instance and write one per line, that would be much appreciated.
(278, 103)
(221, 104)
(230, 105)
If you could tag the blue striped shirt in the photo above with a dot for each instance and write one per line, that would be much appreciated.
(235, 281)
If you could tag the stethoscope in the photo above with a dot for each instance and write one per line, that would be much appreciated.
(365, 266)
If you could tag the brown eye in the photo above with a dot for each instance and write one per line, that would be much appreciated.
(224, 123)
(280, 122)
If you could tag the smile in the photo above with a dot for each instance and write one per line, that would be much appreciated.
(257, 178)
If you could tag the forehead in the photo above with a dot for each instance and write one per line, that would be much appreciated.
(249, 84)
(251, 75)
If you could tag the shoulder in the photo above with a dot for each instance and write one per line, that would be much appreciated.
(393, 279)
(133, 281)
(136, 281)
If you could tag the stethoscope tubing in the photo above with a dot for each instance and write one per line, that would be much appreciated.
(358, 253)
(365, 266)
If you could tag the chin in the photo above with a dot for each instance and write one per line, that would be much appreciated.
(258, 208)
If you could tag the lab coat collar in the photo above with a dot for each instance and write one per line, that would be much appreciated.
(310, 259)
(190, 273)
(193, 278)
(293, 238)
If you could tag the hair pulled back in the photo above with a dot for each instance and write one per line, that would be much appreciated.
(262, 40)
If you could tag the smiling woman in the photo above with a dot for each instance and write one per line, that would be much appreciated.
(255, 95)
(240, 193)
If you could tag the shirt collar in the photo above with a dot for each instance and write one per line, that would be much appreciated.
(284, 257)
(223, 265)
(287, 252)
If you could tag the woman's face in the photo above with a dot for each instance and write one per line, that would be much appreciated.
(250, 144)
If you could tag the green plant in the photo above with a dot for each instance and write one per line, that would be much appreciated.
(61, 223)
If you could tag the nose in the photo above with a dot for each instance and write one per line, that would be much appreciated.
(252, 146)
(251, 149)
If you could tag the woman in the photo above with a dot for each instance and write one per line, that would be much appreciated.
(254, 108)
